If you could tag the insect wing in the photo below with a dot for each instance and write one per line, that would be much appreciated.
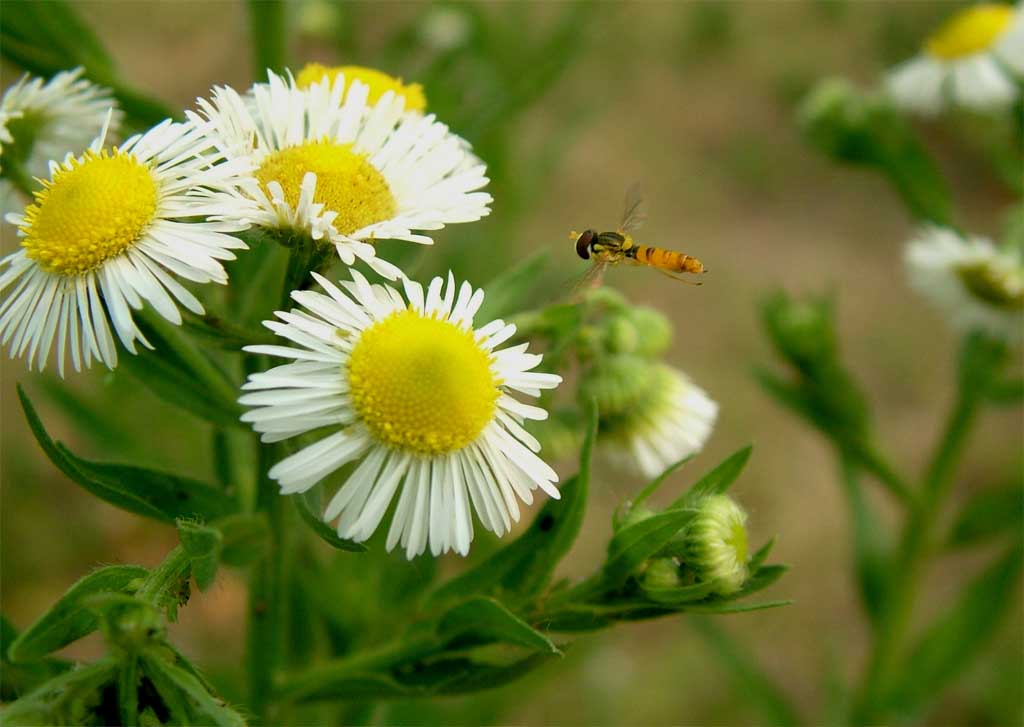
(590, 279)
(635, 213)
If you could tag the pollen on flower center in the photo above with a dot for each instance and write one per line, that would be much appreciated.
(998, 287)
(92, 210)
(379, 83)
(346, 183)
(422, 384)
(970, 31)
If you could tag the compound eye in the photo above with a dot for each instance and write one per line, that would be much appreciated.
(583, 244)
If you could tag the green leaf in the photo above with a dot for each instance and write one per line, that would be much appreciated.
(481, 676)
(203, 545)
(488, 619)
(758, 558)
(948, 645)
(635, 543)
(870, 549)
(724, 608)
(657, 482)
(989, 514)
(678, 595)
(144, 492)
(305, 502)
(523, 568)
(510, 290)
(204, 707)
(66, 699)
(751, 683)
(717, 481)
(245, 536)
(68, 620)
(128, 690)
(18, 679)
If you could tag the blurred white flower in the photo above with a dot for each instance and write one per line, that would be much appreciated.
(59, 116)
(409, 386)
(651, 415)
(328, 164)
(974, 60)
(976, 284)
(103, 236)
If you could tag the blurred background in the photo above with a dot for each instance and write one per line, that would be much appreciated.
(568, 104)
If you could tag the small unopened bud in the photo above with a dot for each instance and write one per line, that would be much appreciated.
(715, 544)
(653, 330)
(622, 336)
(837, 118)
(662, 573)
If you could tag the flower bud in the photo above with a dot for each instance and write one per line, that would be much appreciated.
(662, 573)
(714, 547)
(621, 335)
(653, 330)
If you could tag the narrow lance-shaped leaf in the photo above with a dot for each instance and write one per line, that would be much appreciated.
(203, 545)
(18, 679)
(635, 543)
(989, 514)
(488, 619)
(308, 505)
(717, 481)
(947, 647)
(144, 492)
(203, 706)
(870, 553)
(68, 620)
(62, 700)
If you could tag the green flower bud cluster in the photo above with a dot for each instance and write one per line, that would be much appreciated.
(711, 548)
(622, 328)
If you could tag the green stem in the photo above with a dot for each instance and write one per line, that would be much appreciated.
(393, 653)
(906, 573)
(267, 595)
(268, 20)
(163, 583)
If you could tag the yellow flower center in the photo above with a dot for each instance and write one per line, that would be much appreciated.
(346, 183)
(92, 210)
(379, 83)
(422, 384)
(970, 31)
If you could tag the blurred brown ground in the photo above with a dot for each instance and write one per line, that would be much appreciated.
(712, 136)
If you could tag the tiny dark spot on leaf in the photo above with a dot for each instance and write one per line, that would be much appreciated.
(546, 523)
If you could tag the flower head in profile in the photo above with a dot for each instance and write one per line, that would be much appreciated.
(426, 401)
(714, 544)
(975, 283)
(108, 233)
(330, 165)
(54, 117)
(650, 415)
(975, 60)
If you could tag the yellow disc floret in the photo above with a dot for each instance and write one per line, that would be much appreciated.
(92, 210)
(379, 83)
(422, 384)
(346, 183)
(970, 31)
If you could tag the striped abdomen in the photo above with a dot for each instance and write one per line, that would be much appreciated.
(673, 262)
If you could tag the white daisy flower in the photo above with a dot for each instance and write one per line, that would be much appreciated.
(102, 237)
(974, 60)
(409, 386)
(650, 415)
(329, 165)
(61, 115)
(976, 284)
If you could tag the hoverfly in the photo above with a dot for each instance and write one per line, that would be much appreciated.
(612, 248)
